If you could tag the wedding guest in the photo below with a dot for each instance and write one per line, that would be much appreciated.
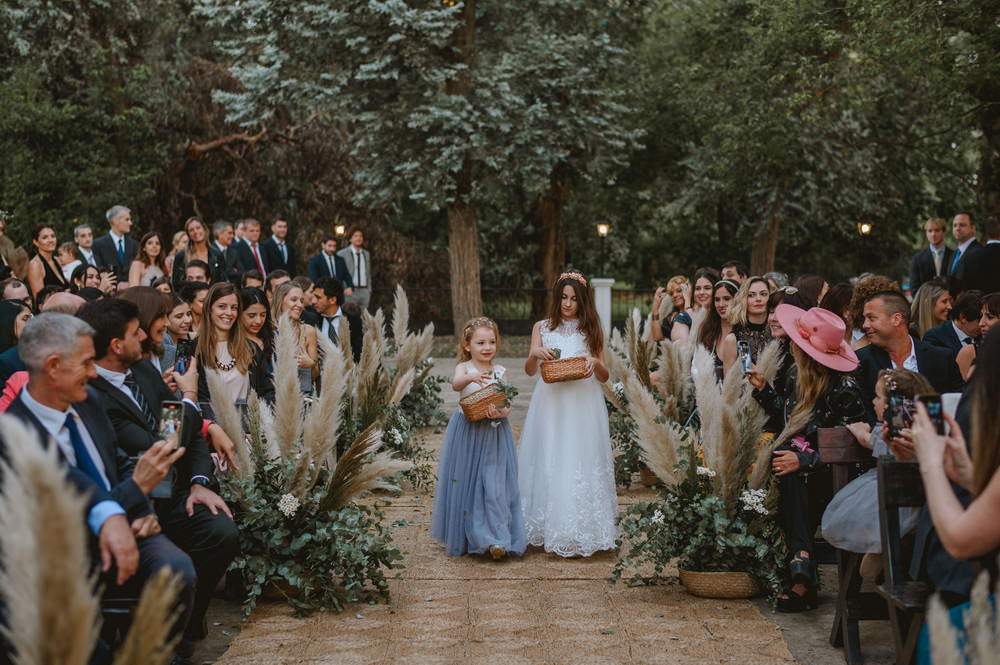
(163, 285)
(982, 272)
(930, 307)
(256, 319)
(734, 271)
(704, 284)
(87, 276)
(288, 301)
(223, 233)
(328, 263)
(776, 280)
(715, 326)
(279, 252)
(252, 279)
(67, 259)
(14, 289)
(194, 294)
(148, 265)
(179, 320)
(14, 314)
(198, 248)
(358, 262)
(838, 300)
(865, 287)
(990, 314)
(274, 279)
(83, 236)
(962, 326)
(935, 259)
(178, 243)
(329, 308)
(42, 296)
(43, 269)
(963, 228)
(813, 287)
(676, 325)
(196, 270)
(152, 308)
(249, 255)
(117, 249)
(747, 314)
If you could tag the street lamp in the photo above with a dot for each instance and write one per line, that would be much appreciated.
(339, 230)
(865, 228)
(602, 231)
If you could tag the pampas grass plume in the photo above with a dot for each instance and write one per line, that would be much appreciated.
(287, 395)
(228, 418)
(362, 468)
(658, 442)
(147, 642)
(400, 316)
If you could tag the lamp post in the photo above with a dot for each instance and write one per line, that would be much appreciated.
(602, 231)
(339, 230)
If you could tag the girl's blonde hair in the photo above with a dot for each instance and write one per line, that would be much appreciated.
(922, 308)
(737, 312)
(469, 329)
(278, 299)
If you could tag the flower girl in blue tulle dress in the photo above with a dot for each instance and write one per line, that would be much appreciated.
(477, 508)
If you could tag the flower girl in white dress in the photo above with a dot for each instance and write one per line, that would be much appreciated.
(565, 465)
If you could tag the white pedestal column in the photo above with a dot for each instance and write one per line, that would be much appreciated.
(602, 296)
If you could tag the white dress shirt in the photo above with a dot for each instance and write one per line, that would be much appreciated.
(360, 270)
(911, 360)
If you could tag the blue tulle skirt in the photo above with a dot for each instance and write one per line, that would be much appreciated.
(477, 503)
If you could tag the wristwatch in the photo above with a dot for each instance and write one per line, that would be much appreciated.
(200, 480)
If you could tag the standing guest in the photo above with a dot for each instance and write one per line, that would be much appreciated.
(962, 326)
(7, 247)
(865, 288)
(963, 228)
(275, 279)
(359, 265)
(14, 289)
(935, 259)
(83, 236)
(813, 287)
(149, 265)
(329, 308)
(776, 280)
(116, 250)
(239, 230)
(734, 271)
(177, 244)
(704, 284)
(983, 271)
(224, 348)
(328, 263)
(252, 279)
(930, 307)
(196, 270)
(194, 294)
(279, 253)
(838, 300)
(288, 301)
(827, 396)
(67, 259)
(248, 252)
(256, 319)
(887, 325)
(966, 358)
(223, 233)
(43, 269)
(675, 326)
(747, 313)
(178, 328)
(199, 248)
(14, 314)
(716, 325)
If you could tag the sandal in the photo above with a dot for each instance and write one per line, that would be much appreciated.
(793, 602)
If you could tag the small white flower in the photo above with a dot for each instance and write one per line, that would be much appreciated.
(288, 505)
(705, 471)
(657, 517)
(619, 389)
(754, 500)
(396, 436)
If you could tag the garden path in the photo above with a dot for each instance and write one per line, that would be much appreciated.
(537, 609)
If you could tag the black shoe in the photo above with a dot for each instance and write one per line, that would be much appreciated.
(803, 571)
(185, 648)
(795, 603)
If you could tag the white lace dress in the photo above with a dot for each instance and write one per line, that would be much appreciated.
(565, 466)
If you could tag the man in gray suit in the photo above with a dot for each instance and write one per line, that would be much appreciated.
(358, 262)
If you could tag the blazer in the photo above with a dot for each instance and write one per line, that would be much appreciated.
(354, 326)
(10, 362)
(983, 269)
(935, 363)
(348, 255)
(922, 266)
(244, 256)
(216, 266)
(319, 267)
(967, 257)
(230, 268)
(117, 465)
(106, 254)
(943, 335)
(273, 260)
(133, 433)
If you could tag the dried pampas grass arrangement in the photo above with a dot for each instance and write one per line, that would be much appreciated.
(659, 442)
(147, 642)
(288, 418)
(362, 468)
(228, 418)
(44, 579)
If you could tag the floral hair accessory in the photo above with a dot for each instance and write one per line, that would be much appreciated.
(479, 322)
(573, 275)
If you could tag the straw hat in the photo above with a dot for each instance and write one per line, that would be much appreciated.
(820, 333)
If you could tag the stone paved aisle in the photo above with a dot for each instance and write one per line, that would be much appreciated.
(538, 609)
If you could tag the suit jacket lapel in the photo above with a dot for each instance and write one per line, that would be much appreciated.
(120, 399)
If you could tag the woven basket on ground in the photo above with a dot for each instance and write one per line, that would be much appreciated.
(564, 369)
(474, 405)
(719, 585)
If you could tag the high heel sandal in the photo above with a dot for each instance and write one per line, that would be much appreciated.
(803, 571)
(795, 603)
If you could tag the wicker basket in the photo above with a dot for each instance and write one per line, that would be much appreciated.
(475, 405)
(719, 585)
(564, 369)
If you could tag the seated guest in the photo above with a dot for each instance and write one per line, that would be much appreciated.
(827, 396)
(194, 294)
(224, 348)
(886, 324)
(58, 404)
(813, 287)
(44, 295)
(196, 271)
(704, 280)
(715, 324)
(14, 314)
(275, 278)
(931, 304)
(865, 287)
(966, 358)
(288, 301)
(132, 391)
(153, 308)
(163, 285)
(252, 279)
(256, 319)
(676, 325)
(748, 315)
(309, 316)
(178, 328)
(329, 298)
(838, 301)
(962, 326)
(14, 289)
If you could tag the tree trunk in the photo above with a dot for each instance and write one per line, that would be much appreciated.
(463, 234)
(989, 165)
(546, 217)
(765, 246)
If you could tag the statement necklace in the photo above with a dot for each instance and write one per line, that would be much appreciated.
(225, 367)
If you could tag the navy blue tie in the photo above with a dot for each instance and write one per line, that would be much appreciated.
(84, 461)
(121, 251)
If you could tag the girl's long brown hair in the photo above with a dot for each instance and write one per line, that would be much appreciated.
(238, 344)
(586, 312)
(711, 326)
(985, 415)
(146, 259)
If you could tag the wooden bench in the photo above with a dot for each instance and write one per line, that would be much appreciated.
(900, 486)
(839, 449)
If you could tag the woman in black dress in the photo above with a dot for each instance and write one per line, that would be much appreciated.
(748, 315)
(42, 269)
(198, 248)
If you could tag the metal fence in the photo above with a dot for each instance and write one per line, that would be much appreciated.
(515, 310)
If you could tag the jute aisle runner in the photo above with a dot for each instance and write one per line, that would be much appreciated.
(538, 609)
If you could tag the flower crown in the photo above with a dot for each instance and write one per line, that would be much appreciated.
(478, 322)
(573, 275)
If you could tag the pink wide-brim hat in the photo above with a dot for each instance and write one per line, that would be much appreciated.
(820, 333)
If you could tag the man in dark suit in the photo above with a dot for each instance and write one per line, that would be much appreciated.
(963, 228)
(224, 239)
(328, 263)
(886, 324)
(962, 326)
(329, 294)
(935, 259)
(279, 254)
(983, 269)
(58, 404)
(83, 236)
(193, 516)
(249, 255)
(116, 250)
